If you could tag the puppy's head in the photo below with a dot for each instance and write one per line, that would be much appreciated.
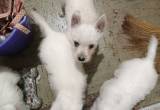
(85, 37)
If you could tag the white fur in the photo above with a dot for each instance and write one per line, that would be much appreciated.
(85, 7)
(64, 75)
(133, 80)
(10, 95)
(84, 32)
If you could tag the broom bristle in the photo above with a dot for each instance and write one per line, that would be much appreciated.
(139, 31)
(139, 27)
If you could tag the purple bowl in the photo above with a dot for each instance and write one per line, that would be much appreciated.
(16, 41)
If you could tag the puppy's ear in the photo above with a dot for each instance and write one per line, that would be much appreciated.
(101, 23)
(76, 19)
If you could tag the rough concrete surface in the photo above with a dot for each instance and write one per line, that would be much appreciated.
(112, 48)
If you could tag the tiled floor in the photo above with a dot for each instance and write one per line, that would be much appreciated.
(113, 46)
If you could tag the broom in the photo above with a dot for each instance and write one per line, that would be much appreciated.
(139, 31)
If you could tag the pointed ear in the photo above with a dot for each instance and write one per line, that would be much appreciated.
(76, 20)
(101, 23)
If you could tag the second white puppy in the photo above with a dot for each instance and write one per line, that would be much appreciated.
(133, 80)
(11, 97)
(64, 75)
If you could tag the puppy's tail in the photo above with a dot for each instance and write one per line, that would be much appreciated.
(41, 22)
(152, 48)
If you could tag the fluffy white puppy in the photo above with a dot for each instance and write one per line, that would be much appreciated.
(133, 80)
(11, 97)
(64, 75)
(85, 27)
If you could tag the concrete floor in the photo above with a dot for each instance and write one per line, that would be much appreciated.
(112, 49)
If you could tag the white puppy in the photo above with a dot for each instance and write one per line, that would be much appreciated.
(84, 28)
(10, 95)
(64, 75)
(133, 80)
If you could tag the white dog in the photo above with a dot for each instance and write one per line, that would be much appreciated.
(11, 97)
(85, 27)
(64, 75)
(133, 80)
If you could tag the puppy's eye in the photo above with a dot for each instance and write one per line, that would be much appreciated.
(76, 44)
(91, 46)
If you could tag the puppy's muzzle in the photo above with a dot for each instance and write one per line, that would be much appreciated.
(81, 58)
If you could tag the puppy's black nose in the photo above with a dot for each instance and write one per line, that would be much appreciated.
(81, 58)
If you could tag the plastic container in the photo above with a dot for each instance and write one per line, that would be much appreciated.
(16, 41)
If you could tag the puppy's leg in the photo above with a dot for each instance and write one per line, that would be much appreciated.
(63, 102)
